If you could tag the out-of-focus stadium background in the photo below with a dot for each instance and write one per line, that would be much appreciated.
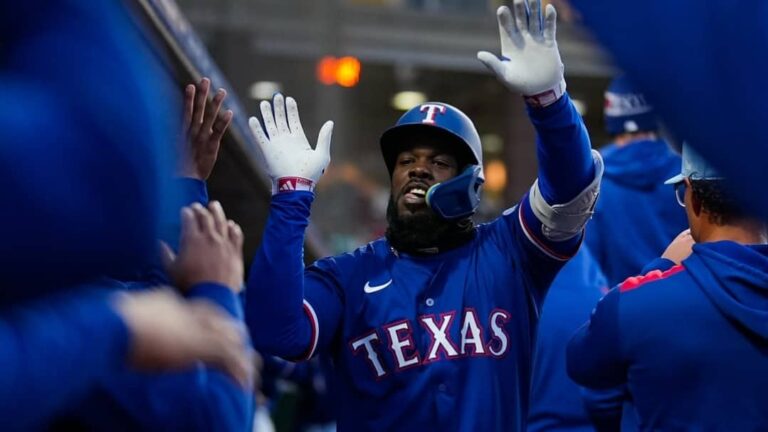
(361, 63)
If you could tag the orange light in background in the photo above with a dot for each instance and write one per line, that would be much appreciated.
(344, 71)
(348, 71)
(326, 70)
(495, 176)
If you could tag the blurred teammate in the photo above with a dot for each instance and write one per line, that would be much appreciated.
(200, 398)
(688, 57)
(637, 215)
(83, 171)
(431, 327)
(689, 341)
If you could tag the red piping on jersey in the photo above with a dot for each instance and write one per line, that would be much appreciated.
(315, 334)
(638, 281)
(539, 243)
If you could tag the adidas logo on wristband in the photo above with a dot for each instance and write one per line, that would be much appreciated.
(290, 184)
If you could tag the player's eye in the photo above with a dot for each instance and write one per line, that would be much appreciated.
(442, 163)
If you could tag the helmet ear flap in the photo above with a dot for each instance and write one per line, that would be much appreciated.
(459, 197)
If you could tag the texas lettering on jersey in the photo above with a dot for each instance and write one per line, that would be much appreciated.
(396, 339)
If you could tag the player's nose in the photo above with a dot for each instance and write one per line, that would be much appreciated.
(420, 170)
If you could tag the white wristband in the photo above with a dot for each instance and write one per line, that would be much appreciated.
(548, 97)
(290, 184)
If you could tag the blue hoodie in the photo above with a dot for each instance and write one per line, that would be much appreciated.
(637, 215)
(556, 402)
(691, 343)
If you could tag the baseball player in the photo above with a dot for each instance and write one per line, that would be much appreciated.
(432, 326)
(637, 216)
(689, 338)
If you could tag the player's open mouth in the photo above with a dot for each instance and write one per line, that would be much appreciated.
(415, 194)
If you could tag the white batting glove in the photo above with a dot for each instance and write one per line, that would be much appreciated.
(530, 63)
(291, 163)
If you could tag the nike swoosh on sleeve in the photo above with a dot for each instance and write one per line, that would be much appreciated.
(372, 289)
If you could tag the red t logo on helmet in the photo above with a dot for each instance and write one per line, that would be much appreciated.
(432, 110)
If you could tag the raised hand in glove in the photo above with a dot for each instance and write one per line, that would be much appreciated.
(530, 62)
(291, 163)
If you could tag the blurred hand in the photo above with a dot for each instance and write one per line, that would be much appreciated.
(680, 248)
(210, 250)
(530, 62)
(170, 333)
(291, 162)
(204, 127)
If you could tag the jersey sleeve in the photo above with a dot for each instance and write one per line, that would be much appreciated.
(282, 321)
(200, 399)
(540, 260)
(548, 223)
(53, 351)
(323, 300)
(595, 357)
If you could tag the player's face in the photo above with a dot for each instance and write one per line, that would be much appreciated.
(416, 169)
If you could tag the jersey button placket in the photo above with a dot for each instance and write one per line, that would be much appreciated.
(429, 302)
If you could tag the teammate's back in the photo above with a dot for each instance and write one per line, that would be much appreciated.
(692, 342)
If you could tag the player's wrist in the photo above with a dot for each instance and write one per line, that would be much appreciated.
(287, 184)
(546, 97)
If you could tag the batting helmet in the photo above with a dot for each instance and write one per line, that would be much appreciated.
(456, 198)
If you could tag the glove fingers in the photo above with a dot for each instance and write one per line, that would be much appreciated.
(269, 120)
(521, 16)
(258, 133)
(534, 20)
(294, 123)
(323, 146)
(491, 62)
(278, 103)
(550, 23)
(508, 32)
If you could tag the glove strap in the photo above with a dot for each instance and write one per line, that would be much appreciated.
(548, 97)
(290, 184)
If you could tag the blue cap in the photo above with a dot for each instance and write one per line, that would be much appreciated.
(626, 109)
(695, 167)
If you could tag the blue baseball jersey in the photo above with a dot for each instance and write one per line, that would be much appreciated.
(416, 340)
(690, 343)
(435, 336)
(437, 342)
